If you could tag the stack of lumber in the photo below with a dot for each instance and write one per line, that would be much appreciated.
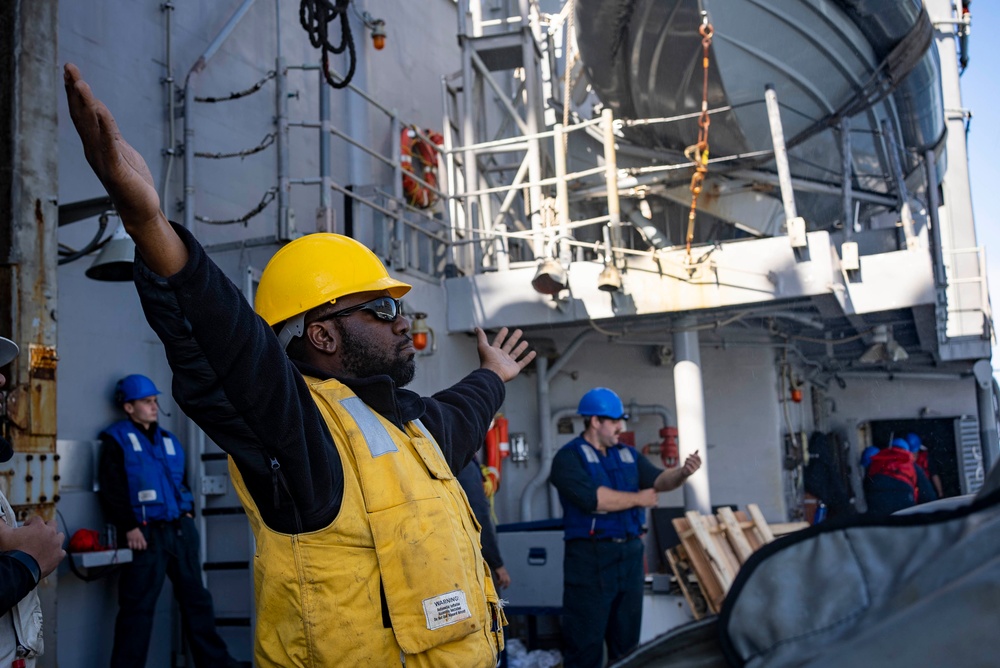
(712, 550)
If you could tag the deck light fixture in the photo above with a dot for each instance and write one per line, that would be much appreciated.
(551, 277)
(378, 34)
(610, 279)
(114, 262)
(422, 334)
(883, 348)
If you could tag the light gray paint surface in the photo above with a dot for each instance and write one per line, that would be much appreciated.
(103, 335)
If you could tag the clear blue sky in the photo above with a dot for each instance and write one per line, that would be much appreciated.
(979, 94)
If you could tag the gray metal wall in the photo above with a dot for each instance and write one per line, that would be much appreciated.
(120, 46)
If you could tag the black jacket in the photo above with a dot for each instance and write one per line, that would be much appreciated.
(471, 479)
(233, 379)
(17, 581)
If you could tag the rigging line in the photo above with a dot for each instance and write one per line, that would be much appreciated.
(240, 93)
(264, 201)
(315, 17)
(698, 153)
(267, 141)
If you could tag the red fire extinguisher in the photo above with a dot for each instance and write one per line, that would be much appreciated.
(497, 449)
(669, 450)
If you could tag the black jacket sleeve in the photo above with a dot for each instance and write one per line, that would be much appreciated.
(113, 482)
(459, 416)
(925, 489)
(17, 582)
(233, 379)
(471, 479)
(570, 477)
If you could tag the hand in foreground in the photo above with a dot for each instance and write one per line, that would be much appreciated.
(501, 577)
(691, 464)
(505, 356)
(37, 538)
(135, 539)
(120, 168)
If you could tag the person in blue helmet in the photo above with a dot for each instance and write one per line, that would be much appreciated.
(605, 487)
(894, 482)
(866, 456)
(143, 492)
(922, 458)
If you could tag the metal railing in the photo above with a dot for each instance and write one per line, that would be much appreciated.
(980, 311)
(402, 227)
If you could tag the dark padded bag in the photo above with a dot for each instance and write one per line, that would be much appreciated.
(921, 589)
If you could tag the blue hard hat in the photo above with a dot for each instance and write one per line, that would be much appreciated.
(867, 454)
(914, 442)
(135, 386)
(900, 443)
(602, 402)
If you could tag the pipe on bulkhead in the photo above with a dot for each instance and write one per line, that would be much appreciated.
(545, 422)
(668, 418)
(983, 372)
(780, 153)
(359, 162)
(168, 82)
(690, 399)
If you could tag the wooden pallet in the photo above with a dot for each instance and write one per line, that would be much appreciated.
(714, 547)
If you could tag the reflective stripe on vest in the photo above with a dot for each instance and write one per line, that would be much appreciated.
(378, 439)
(136, 446)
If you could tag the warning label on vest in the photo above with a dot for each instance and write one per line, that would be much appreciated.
(446, 609)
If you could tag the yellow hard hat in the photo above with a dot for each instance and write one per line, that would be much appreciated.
(319, 269)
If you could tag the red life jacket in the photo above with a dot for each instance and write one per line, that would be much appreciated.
(923, 461)
(897, 464)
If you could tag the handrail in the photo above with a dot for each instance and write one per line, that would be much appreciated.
(979, 278)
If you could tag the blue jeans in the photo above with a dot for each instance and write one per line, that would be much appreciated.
(602, 600)
(172, 551)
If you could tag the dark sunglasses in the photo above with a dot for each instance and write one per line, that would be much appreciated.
(602, 418)
(383, 308)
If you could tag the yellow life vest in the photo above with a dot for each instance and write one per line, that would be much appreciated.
(397, 578)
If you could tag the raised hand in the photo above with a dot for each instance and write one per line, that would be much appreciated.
(691, 464)
(120, 168)
(505, 356)
(125, 176)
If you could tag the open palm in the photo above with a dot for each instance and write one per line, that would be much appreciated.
(506, 356)
(120, 168)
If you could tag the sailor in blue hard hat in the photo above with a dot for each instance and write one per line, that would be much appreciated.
(605, 487)
(145, 494)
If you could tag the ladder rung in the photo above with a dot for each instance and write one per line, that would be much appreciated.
(226, 565)
(224, 510)
(232, 621)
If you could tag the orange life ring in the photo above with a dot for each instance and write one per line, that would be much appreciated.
(419, 156)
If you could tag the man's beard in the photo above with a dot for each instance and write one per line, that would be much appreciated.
(361, 359)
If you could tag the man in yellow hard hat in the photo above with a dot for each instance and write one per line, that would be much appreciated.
(367, 551)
